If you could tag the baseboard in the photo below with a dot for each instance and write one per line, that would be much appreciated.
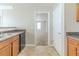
(30, 45)
(56, 51)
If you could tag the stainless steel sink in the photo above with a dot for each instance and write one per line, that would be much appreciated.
(4, 34)
(1, 35)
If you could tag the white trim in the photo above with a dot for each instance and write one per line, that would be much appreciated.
(49, 29)
(1, 17)
(48, 25)
(34, 28)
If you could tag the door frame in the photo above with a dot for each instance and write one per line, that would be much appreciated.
(35, 44)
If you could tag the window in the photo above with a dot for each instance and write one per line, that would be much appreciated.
(38, 25)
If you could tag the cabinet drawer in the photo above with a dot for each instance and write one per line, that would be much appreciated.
(4, 43)
(8, 41)
(72, 41)
(14, 38)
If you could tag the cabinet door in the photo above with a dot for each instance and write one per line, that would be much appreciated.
(77, 51)
(72, 50)
(6, 51)
(77, 11)
(15, 47)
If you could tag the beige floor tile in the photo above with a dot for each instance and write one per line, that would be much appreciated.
(38, 51)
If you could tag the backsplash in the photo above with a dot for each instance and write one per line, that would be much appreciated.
(72, 33)
(2, 29)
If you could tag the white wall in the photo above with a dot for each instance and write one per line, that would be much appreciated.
(58, 28)
(23, 16)
(70, 18)
(0, 18)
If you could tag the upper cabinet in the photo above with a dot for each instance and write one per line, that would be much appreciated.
(77, 12)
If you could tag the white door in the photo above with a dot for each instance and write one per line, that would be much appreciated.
(41, 29)
(58, 28)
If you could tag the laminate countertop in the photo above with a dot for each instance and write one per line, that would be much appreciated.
(5, 36)
(73, 35)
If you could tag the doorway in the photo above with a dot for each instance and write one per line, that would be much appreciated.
(41, 29)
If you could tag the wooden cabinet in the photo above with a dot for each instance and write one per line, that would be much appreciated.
(5, 48)
(72, 47)
(15, 47)
(72, 51)
(77, 51)
(77, 12)
(10, 47)
(6, 51)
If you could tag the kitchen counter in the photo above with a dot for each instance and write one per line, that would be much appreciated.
(5, 36)
(12, 41)
(73, 35)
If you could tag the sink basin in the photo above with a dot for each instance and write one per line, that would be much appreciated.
(1, 36)
(5, 34)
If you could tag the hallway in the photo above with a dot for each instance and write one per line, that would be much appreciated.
(42, 40)
(39, 51)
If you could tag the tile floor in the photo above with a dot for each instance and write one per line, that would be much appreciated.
(39, 51)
